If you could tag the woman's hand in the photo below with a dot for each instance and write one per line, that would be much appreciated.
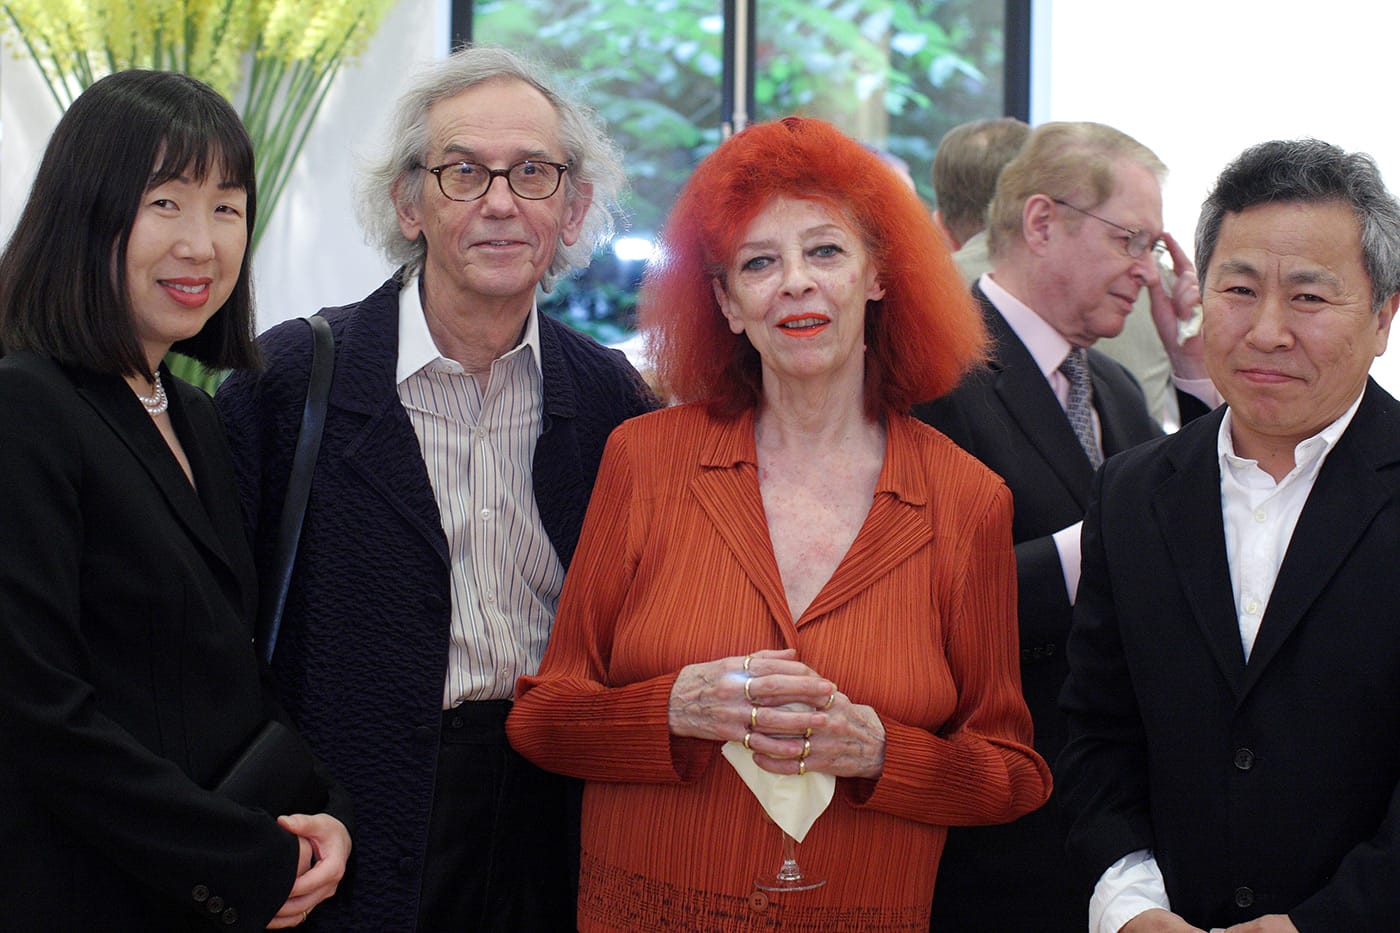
(716, 699)
(794, 719)
(324, 845)
(846, 739)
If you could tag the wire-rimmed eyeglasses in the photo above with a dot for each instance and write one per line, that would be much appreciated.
(530, 179)
(1138, 242)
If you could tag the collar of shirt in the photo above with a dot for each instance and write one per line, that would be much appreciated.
(1307, 455)
(1047, 347)
(416, 346)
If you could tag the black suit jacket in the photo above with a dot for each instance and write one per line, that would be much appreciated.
(127, 676)
(1013, 877)
(1271, 786)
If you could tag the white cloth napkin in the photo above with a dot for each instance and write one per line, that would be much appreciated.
(794, 801)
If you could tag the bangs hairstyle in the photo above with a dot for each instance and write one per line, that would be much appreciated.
(63, 286)
(920, 338)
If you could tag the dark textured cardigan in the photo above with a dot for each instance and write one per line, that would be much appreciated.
(362, 655)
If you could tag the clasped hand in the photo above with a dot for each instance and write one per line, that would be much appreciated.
(794, 719)
(323, 847)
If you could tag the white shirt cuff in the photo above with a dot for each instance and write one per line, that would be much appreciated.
(1067, 544)
(1131, 885)
(1202, 389)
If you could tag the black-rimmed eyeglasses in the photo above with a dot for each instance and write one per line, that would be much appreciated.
(530, 179)
(1138, 242)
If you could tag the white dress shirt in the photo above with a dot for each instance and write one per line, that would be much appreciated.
(1259, 517)
(478, 444)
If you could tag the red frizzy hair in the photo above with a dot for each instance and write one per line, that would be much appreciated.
(920, 338)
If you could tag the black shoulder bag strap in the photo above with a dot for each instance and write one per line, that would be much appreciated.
(313, 420)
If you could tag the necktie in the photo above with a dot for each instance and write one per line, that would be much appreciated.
(1080, 408)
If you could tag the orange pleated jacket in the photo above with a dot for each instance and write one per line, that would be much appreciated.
(675, 566)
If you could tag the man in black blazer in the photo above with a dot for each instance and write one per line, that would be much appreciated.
(1073, 227)
(1234, 694)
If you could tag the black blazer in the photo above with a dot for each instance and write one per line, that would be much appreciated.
(1013, 877)
(127, 676)
(1266, 787)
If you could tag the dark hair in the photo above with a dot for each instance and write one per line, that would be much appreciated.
(920, 338)
(1310, 171)
(63, 288)
(969, 158)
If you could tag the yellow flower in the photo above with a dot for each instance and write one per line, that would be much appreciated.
(296, 47)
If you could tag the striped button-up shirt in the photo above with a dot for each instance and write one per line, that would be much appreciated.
(478, 443)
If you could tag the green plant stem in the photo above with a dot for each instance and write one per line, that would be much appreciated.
(306, 90)
(81, 67)
(38, 60)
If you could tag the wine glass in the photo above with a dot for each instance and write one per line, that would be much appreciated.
(790, 875)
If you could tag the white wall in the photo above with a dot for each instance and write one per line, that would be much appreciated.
(1198, 81)
(313, 252)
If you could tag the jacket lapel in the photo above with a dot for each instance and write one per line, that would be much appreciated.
(373, 433)
(1031, 404)
(1350, 489)
(114, 402)
(557, 453)
(1115, 414)
(893, 531)
(207, 448)
(727, 490)
(1187, 510)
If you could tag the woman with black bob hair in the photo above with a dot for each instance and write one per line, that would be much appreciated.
(129, 687)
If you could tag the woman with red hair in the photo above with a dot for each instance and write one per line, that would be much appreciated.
(786, 573)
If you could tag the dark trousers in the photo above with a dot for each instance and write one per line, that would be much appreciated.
(503, 839)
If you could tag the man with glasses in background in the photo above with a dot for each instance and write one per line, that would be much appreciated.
(1073, 228)
(461, 443)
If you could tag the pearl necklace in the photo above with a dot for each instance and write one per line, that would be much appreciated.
(154, 404)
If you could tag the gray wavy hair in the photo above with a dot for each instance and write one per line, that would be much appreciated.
(594, 159)
(1310, 171)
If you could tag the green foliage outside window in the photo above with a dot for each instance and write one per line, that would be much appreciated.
(892, 74)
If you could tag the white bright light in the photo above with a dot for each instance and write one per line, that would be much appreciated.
(633, 248)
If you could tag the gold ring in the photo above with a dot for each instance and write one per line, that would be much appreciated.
(753, 718)
(831, 699)
(808, 733)
(304, 914)
(747, 696)
(746, 663)
(806, 749)
(801, 767)
(746, 740)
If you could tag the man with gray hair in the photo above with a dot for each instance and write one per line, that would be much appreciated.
(1073, 227)
(1234, 688)
(460, 446)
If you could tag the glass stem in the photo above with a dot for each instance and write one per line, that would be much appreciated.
(791, 871)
